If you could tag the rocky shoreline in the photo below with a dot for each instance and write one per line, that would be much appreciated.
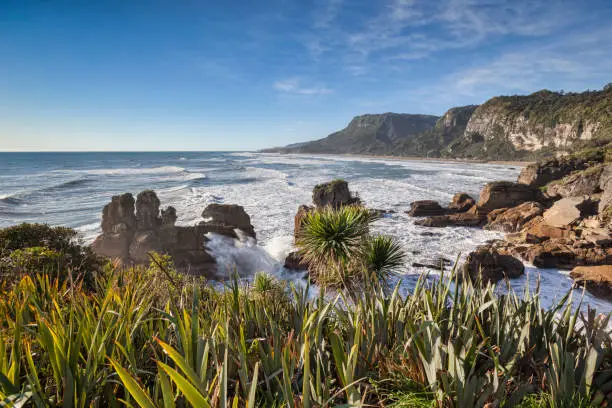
(556, 215)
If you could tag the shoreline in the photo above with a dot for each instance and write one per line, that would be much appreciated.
(410, 158)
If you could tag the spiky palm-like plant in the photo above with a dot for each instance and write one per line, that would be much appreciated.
(337, 245)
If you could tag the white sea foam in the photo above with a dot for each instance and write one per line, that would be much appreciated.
(131, 170)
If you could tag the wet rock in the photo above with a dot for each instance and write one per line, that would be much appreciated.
(514, 219)
(467, 219)
(492, 265)
(334, 193)
(436, 263)
(425, 208)
(505, 194)
(563, 254)
(597, 279)
(461, 202)
(568, 211)
(295, 261)
(226, 217)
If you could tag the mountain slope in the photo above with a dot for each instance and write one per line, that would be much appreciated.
(368, 134)
(516, 127)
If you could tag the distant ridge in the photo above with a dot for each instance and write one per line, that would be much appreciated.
(528, 127)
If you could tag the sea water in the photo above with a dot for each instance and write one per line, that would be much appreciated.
(70, 189)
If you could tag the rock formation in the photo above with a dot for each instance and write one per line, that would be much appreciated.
(132, 229)
(491, 265)
(461, 202)
(334, 193)
(425, 208)
(505, 194)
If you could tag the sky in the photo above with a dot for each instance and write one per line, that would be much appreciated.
(247, 74)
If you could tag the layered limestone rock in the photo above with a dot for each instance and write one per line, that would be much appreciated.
(334, 194)
(597, 279)
(132, 229)
(425, 208)
(513, 219)
(505, 194)
(461, 202)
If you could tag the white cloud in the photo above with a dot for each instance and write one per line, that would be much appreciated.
(294, 86)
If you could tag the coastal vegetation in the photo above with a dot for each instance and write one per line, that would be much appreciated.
(151, 337)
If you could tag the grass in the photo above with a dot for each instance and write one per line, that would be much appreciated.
(141, 339)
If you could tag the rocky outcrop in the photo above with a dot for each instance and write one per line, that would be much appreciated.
(425, 208)
(461, 202)
(131, 230)
(514, 219)
(605, 185)
(585, 182)
(597, 279)
(294, 261)
(568, 211)
(491, 265)
(225, 218)
(334, 194)
(505, 194)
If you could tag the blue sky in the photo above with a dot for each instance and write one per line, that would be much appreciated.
(210, 75)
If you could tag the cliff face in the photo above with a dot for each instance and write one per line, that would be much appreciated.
(536, 125)
(529, 127)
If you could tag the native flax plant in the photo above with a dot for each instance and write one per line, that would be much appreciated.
(337, 245)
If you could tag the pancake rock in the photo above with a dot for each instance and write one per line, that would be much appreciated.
(425, 208)
(132, 229)
(597, 279)
(335, 193)
(461, 202)
(505, 194)
(491, 265)
(513, 219)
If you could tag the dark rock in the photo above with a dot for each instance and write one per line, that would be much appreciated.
(491, 265)
(461, 202)
(505, 194)
(513, 219)
(294, 261)
(436, 263)
(605, 185)
(228, 216)
(467, 219)
(334, 193)
(425, 208)
(147, 210)
(168, 217)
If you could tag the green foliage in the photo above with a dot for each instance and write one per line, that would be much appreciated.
(135, 342)
(337, 245)
(39, 248)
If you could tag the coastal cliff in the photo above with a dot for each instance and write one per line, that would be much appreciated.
(520, 127)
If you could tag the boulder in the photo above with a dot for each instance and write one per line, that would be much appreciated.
(505, 194)
(492, 265)
(227, 217)
(597, 279)
(537, 231)
(147, 211)
(539, 174)
(568, 211)
(466, 219)
(564, 254)
(334, 193)
(425, 208)
(585, 182)
(168, 217)
(461, 202)
(294, 261)
(513, 219)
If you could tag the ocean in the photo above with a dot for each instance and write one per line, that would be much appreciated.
(70, 189)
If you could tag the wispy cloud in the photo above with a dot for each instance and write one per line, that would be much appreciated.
(295, 86)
